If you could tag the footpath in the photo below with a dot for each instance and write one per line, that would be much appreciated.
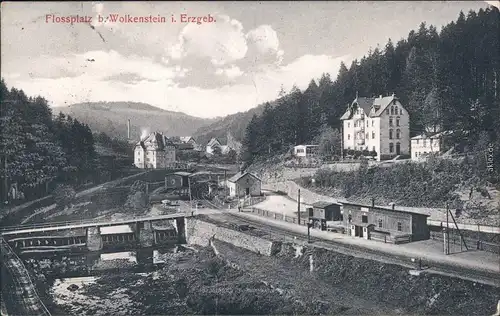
(429, 251)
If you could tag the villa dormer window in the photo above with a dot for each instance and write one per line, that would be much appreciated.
(392, 110)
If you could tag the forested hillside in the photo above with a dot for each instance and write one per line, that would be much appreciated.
(448, 78)
(40, 149)
(111, 118)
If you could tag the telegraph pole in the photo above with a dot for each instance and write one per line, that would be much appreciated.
(447, 231)
(190, 199)
(298, 207)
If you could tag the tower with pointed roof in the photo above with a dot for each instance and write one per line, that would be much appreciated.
(156, 151)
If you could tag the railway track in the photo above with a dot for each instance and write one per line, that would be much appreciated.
(431, 266)
(21, 294)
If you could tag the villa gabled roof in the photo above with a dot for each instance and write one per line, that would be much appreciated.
(155, 141)
(372, 107)
(240, 175)
(186, 139)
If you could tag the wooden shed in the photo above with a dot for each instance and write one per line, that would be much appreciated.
(322, 212)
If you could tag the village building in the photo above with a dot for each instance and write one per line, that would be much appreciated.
(244, 184)
(322, 212)
(377, 124)
(216, 143)
(384, 224)
(422, 145)
(305, 150)
(155, 151)
(189, 142)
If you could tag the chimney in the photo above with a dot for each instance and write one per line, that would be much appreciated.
(373, 202)
(128, 129)
(393, 205)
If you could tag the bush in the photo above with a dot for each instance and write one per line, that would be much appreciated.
(413, 184)
(64, 195)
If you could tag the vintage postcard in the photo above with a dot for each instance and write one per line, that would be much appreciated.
(250, 158)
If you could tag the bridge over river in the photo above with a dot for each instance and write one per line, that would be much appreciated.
(94, 235)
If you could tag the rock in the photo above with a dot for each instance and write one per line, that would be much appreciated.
(73, 287)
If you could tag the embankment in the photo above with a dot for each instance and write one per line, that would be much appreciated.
(199, 232)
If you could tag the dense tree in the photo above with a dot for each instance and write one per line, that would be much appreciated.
(446, 80)
(39, 150)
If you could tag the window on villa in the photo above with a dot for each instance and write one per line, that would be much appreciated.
(372, 123)
(391, 147)
(364, 219)
(400, 227)
(397, 121)
(387, 111)
(425, 142)
(373, 135)
(390, 134)
(379, 223)
(400, 111)
(348, 136)
(392, 110)
(373, 148)
(390, 121)
(348, 124)
(417, 141)
(398, 134)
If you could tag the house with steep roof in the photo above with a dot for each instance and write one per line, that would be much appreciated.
(155, 151)
(377, 124)
(422, 145)
(244, 184)
(220, 143)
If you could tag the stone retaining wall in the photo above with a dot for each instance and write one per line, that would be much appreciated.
(200, 232)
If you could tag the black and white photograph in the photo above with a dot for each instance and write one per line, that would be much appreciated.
(250, 158)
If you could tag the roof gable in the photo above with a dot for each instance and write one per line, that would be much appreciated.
(381, 104)
(156, 141)
(240, 175)
(362, 103)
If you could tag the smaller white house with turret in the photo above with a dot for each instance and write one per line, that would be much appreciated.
(378, 124)
(155, 151)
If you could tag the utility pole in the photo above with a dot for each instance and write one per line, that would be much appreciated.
(225, 185)
(309, 225)
(190, 199)
(298, 207)
(447, 231)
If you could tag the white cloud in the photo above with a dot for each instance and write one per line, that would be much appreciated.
(98, 65)
(264, 38)
(161, 90)
(231, 72)
(221, 42)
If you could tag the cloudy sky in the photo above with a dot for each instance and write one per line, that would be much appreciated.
(205, 70)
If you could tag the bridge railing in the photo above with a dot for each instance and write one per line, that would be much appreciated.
(21, 273)
(7, 229)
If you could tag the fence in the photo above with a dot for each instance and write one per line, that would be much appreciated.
(277, 216)
(33, 305)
